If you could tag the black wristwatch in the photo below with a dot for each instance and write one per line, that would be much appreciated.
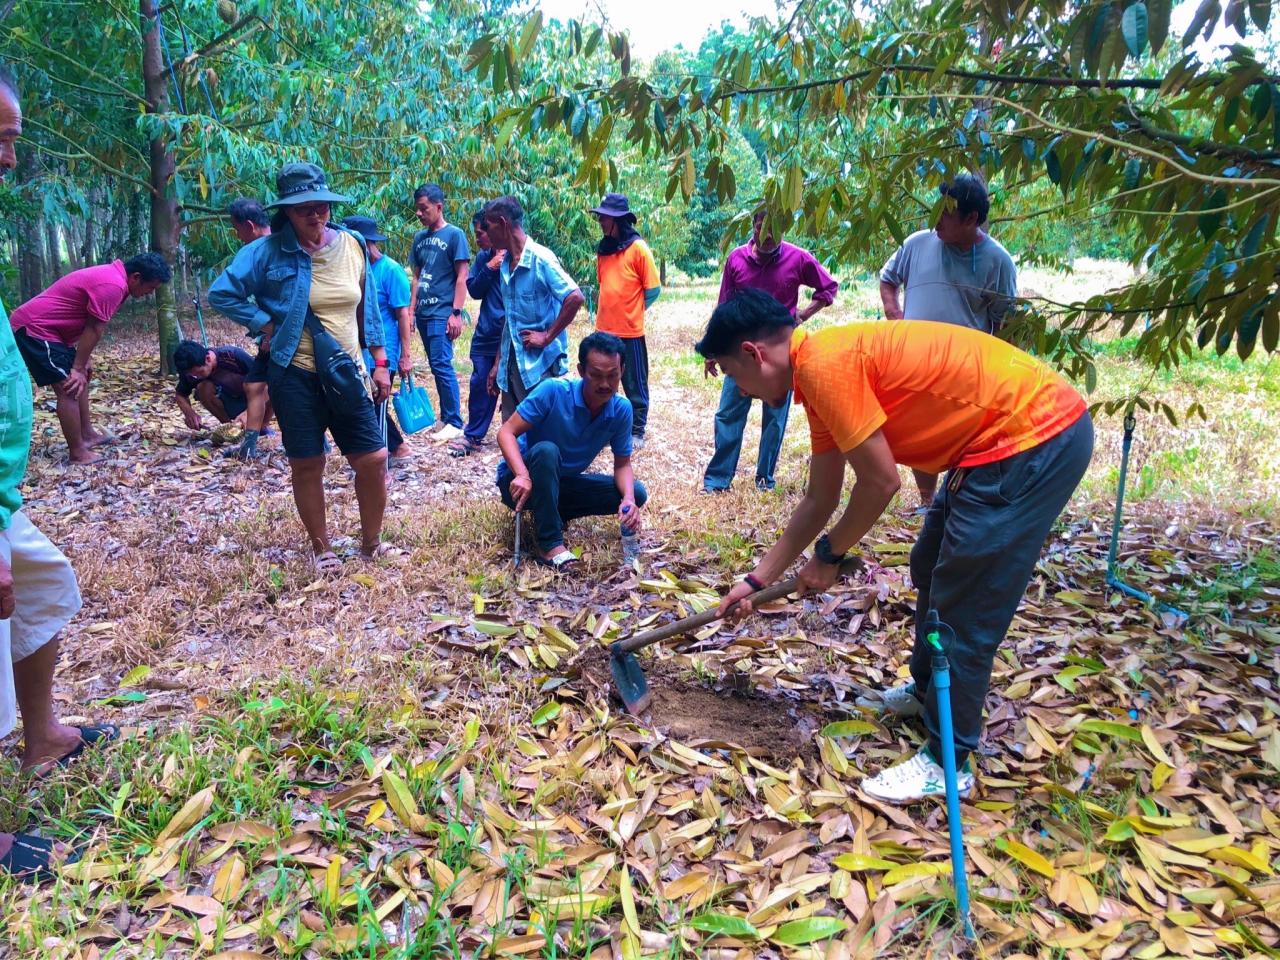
(822, 550)
(456, 312)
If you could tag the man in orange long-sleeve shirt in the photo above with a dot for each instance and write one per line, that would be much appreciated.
(1014, 437)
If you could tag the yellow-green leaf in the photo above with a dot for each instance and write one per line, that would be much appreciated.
(1027, 857)
(799, 932)
(854, 862)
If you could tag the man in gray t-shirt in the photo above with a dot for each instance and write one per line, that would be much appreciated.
(954, 273)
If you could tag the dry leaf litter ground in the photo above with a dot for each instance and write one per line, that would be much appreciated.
(423, 761)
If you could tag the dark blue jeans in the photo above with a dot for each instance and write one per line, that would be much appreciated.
(440, 356)
(480, 403)
(973, 560)
(635, 381)
(731, 420)
(557, 499)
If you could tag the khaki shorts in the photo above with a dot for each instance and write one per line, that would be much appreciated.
(46, 596)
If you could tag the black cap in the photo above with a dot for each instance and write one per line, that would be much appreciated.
(367, 227)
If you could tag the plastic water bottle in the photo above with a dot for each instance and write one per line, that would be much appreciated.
(630, 541)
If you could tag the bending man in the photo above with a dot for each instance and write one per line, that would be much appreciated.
(1014, 435)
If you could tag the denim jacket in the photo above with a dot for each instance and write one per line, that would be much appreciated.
(269, 281)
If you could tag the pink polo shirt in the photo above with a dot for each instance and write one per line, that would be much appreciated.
(61, 313)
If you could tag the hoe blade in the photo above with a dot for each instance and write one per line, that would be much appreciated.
(629, 681)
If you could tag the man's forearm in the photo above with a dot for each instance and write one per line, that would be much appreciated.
(624, 477)
(84, 347)
(509, 444)
(184, 404)
(568, 310)
(804, 526)
(889, 299)
(460, 290)
(404, 322)
(866, 504)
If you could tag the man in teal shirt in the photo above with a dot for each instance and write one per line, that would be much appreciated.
(38, 590)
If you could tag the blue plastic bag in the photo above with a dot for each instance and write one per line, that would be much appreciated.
(413, 407)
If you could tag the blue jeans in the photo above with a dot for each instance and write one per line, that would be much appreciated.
(440, 356)
(480, 403)
(557, 499)
(731, 420)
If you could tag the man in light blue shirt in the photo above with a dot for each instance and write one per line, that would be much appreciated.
(541, 301)
(552, 438)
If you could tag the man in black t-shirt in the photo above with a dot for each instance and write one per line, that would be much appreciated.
(439, 259)
(216, 377)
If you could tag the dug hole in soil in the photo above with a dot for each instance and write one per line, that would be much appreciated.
(693, 712)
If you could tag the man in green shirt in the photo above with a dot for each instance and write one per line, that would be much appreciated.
(38, 590)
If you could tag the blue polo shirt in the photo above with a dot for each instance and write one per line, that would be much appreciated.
(555, 411)
(392, 285)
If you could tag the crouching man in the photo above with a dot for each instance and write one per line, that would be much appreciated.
(1013, 436)
(553, 437)
(216, 377)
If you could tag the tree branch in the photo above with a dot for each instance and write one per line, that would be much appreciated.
(213, 45)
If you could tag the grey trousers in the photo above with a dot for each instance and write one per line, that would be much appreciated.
(973, 560)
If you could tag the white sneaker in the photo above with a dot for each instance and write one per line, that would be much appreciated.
(901, 701)
(447, 432)
(913, 781)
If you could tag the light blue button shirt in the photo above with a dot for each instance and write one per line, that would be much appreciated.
(533, 294)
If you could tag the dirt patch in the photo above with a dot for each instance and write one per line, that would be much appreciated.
(719, 713)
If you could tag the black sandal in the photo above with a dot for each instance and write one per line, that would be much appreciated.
(89, 736)
(30, 859)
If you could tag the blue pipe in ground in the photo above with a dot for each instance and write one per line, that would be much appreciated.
(934, 628)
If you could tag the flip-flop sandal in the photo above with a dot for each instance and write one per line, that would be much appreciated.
(389, 552)
(462, 448)
(563, 561)
(30, 859)
(92, 735)
(327, 563)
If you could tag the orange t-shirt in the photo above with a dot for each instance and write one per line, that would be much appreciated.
(944, 395)
(624, 277)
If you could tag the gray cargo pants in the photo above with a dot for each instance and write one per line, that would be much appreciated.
(974, 558)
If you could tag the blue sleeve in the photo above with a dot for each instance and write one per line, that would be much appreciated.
(397, 288)
(620, 442)
(534, 408)
(459, 248)
(232, 293)
(480, 278)
(559, 284)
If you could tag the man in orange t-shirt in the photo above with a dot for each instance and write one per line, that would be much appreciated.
(1014, 436)
(629, 283)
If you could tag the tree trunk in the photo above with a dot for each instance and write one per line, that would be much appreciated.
(30, 244)
(53, 250)
(662, 271)
(164, 205)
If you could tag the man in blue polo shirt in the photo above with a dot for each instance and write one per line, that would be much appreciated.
(555, 434)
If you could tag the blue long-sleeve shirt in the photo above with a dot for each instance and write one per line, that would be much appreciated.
(485, 285)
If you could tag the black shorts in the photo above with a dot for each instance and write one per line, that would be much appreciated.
(261, 367)
(50, 362)
(304, 416)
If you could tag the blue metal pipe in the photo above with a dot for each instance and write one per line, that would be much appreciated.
(955, 826)
(1113, 580)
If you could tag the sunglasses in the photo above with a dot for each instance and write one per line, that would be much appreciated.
(310, 211)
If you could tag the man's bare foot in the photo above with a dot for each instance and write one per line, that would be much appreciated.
(99, 439)
(85, 455)
(49, 747)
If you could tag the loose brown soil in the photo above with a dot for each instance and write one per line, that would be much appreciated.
(716, 714)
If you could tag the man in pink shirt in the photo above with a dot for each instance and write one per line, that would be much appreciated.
(57, 330)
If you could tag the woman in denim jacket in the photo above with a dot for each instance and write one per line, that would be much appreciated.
(308, 262)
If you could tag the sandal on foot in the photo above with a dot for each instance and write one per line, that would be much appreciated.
(563, 560)
(327, 563)
(30, 859)
(388, 551)
(462, 448)
(90, 736)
